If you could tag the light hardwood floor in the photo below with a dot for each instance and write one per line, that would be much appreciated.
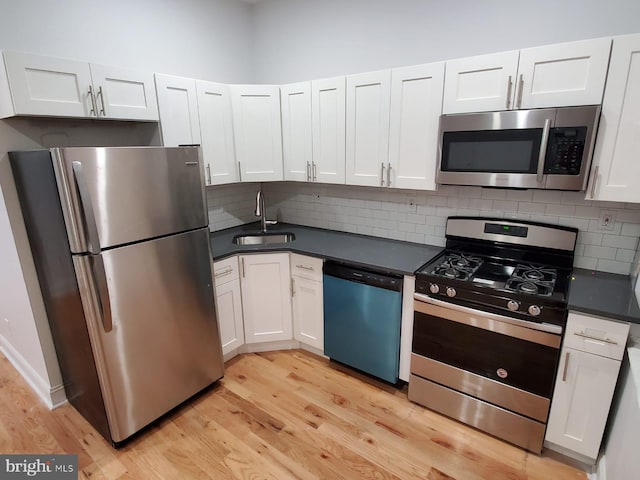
(276, 415)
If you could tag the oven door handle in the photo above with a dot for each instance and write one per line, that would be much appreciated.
(542, 327)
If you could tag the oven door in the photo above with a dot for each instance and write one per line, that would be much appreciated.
(500, 149)
(497, 359)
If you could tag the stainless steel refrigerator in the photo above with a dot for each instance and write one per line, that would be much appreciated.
(120, 242)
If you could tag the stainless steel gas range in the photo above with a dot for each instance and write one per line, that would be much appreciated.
(489, 314)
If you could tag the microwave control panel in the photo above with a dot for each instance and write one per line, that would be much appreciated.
(565, 150)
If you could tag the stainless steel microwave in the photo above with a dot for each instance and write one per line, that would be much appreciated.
(548, 148)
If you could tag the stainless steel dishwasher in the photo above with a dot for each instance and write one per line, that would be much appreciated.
(362, 315)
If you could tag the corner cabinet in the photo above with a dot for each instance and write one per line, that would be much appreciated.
(257, 132)
(306, 291)
(47, 86)
(416, 105)
(266, 297)
(229, 304)
(367, 128)
(590, 360)
(564, 74)
(616, 169)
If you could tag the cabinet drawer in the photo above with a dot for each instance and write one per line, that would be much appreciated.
(596, 335)
(225, 270)
(306, 267)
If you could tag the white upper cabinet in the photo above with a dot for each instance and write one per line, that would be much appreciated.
(257, 131)
(367, 127)
(178, 107)
(557, 75)
(295, 102)
(416, 105)
(479, 84)
(328, 129)
(47, 86)
(216, 129)
(565, 74)
(124, 94)
(616, 169)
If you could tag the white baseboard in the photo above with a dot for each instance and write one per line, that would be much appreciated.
(600, 472)
(51, 396)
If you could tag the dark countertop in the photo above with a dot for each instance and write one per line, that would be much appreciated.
(392, 256)
(604, 294)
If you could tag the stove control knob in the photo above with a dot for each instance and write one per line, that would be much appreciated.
(451, 292)
(534, 310)
(513, 305)
(433, 288)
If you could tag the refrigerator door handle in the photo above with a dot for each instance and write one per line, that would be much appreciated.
(87, 207)
(102, 290)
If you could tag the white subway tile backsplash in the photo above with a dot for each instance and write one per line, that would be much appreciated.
(420, 216)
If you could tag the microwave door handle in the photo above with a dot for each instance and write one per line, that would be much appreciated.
(543, 149)
(87, 208)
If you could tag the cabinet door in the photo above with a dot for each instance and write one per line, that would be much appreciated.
(266, 297)
(563, 75)
(296, 131)
(416, 104)
(216, 129)
(124, 94)
(480, 84)
(229, 303)
(47, 86)
(616, 168)
(328, 129)
(581, 401)
(308, 316)
(368, 98)
(257, 131)
(178, 108)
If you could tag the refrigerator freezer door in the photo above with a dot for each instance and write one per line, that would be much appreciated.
(115, 196)
(163, 344)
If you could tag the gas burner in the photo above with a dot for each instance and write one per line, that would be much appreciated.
(528, 287)
(534, 275)
(444, 270)
(457, 266)
(450, 273)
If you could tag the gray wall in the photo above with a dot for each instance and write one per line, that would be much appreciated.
(298, 40)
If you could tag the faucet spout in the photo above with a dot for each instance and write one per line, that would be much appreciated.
(262, 213)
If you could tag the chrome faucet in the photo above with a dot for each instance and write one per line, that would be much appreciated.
(262, 212)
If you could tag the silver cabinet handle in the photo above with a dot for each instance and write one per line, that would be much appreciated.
(308, 172)
(388, 175)
(315, 179)
(589, 337)
(242, 262)
(520, 90)
(566, 365)
(239, 171)
(382, 176)
(543, 149)
(305, 267)
(93, 101)
(509, 87)
(101, 95)
(293, 288)
(208, 174)
(223, 273)
(595, 180)
(87, 208)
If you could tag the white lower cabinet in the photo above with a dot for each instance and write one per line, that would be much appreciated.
(585, 385)
(308, 313)
(266, 297)
(229, 304)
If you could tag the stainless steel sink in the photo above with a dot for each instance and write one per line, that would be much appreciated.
(263, 238)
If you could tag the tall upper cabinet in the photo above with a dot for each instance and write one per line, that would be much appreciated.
(56, 87)
(564, 74)
(367, 127)
(295, 100)
(178, 105)
(416, 104)
(616, 169)
(328, 129)
(257, 131)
